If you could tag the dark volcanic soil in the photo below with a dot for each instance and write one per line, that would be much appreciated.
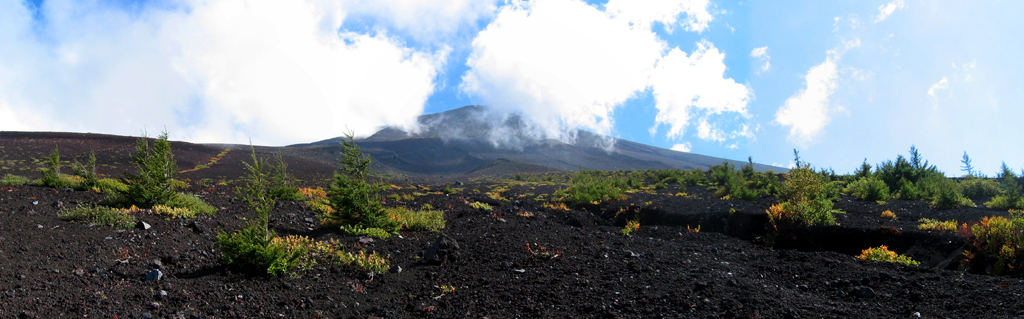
(53, 268)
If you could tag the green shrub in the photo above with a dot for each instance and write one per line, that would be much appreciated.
(87, 172)
(695, 177)
(360, 231)
(945, 195)
(868, 189)
(587, 187)
(432, 220)
(173, 212)
(51, 173)
(354, 199)
(1010, 198)
(481, 206)
(933, 224)
(250, 249)
(190, 202)
(110, 186)
(155, 169)
(283, 184)
(974, 187)
(882, 253)
(99, 215)
(806, 199)
(1001, 238)
(731, 183)
(14, 180)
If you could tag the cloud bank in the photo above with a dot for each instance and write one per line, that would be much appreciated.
(564, 65)
(222, 71)
(807, 112)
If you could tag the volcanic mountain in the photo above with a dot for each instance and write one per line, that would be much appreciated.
(472, 141)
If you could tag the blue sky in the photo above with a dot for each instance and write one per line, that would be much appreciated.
(840, 81)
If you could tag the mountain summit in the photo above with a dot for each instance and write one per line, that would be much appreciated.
(470, 140)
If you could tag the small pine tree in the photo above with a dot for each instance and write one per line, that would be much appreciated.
(87, 172)
(51, 173)
(355, 200)
(156, 167)
(967, 168)
(256, 192)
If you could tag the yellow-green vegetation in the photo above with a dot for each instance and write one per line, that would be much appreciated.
(408, 197)
(481, 206)
(360, 231)
(316, 199)
(309, 252)
(432, 220)
(888, 214)
(999, 237)
(395, 197)
(99, 215)
(1010, 197)
(868, 189)
(806, 198)
(173, 212)
(882, 253)
(631, 226)
(14, 180)
(212, 161)
(255, 247)
(935, 225)
(591, 187)
(191, 203)
(110, 186)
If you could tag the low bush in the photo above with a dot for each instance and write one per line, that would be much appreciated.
(974, 187)
(110, 186)
(888, 214)
(935, 225)
(1010, 197)
(806, 199)
(432, 220)
(945, 195)
(588, 187)
(695, 177)
(173, 212)
(882, 253)
(731, 183)
(99, 215)
(868, 189)
(1001, 238)
(631, 226)
(251, 249)
(480, 206)
(87, 172)
(360, 231)
(14, 180)
(191, 203)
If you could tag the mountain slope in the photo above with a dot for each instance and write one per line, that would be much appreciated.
(460, 141)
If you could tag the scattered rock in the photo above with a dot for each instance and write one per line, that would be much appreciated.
(57, 204)
(196, 227)
(504, 265)
(157, 263)
(142, 225)
(154, 305)
(519, 271)
(862, 292)
(161, 295)
(147, 315)
(458, 183)
(365, 240)
(444, 249)
(154, 274)
(396, 269)
(35, 202)
(27, 315)
(79, 272)
(310, 220)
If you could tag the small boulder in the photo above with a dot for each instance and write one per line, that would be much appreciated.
(444, 249)
(862, 292)
(154, 274)
(196, 227)
(142, 225)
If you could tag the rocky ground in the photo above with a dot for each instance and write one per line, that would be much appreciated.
(520, 260)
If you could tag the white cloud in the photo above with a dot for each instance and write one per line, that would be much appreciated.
(762, 54)
(943, 84)
(424, 19)
(807, 112)
(219, 71)
(561, 64)
(684, 85)
(684, 147)
(645, 13)
(885, 10)
(707, 132)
